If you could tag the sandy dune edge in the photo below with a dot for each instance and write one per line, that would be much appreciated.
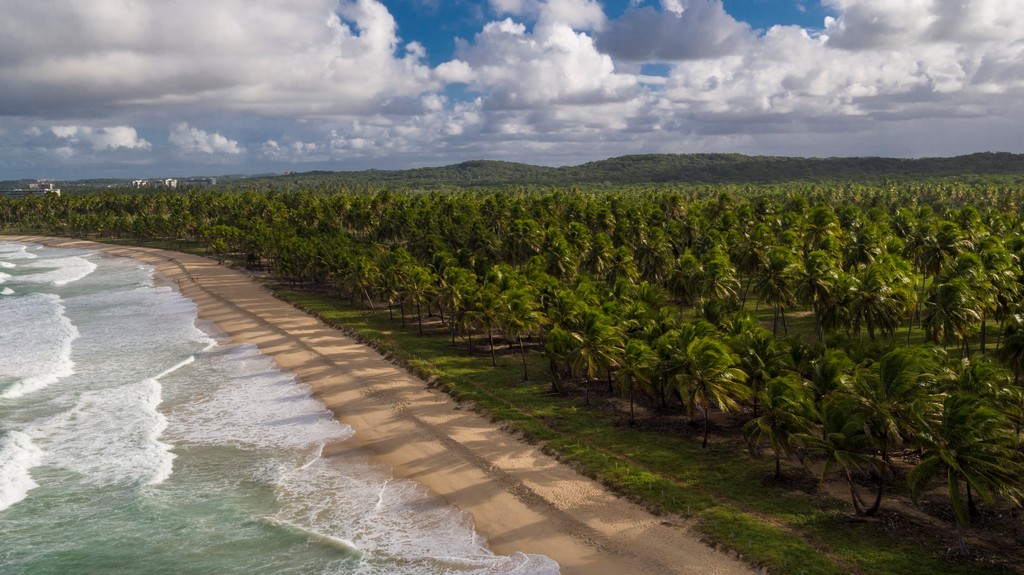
(520, 498)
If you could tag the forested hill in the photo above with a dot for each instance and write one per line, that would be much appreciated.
(677, 168)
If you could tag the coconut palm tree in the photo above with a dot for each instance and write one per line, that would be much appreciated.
(636, 367)
(761, 358)
(787, 413)
(844, 443)
(455, 287)
(822, 226)
(707, 377)
(417, 291)
(1012, 353)
(775, 283)
(717, 278)
(814, 284)
(883, 295)
(1000, 275)
(951, 310)
(890, 391)
(971, 444)
(486, 312)
(598, 348)
(559, 345)
(829, 373)
(521, 318)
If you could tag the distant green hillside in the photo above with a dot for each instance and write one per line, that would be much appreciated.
(666, 168)
(1000, 168)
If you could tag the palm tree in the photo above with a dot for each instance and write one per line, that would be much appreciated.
(822, 225)
(971, 442)
(456, 286)
(559, 345)
(829, 373)
(951, 310)
(636, 367)
(653, 256)
(787, 413)
(684, 279)
(1012, 354)
(775, 284)
(845, 443)
(814, 285)
(521, 318)
(982, 377)
(718, 278)
(708, 377)
(941, 248)
(487, 313)
(761, 358)
(364, 277)
(598, 347)
(419, 284)
(750, 254)
(890, 391)
(1000, 276)
(884, 293)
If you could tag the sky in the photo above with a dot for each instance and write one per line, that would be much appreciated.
(157, 88)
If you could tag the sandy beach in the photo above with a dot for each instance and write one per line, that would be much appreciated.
(520, 498)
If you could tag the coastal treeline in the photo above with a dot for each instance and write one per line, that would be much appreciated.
(873, 334)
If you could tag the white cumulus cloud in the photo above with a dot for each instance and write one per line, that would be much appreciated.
(108, 138)
(301, 57)
(189, 140)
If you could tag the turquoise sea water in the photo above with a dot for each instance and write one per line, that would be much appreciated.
(132, 441)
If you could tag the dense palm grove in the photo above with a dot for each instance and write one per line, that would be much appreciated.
(848, 324)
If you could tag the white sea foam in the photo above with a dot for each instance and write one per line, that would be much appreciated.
(353, 500)
(7, 291)
(10, 251)
(36, 337)
(58, 271)
(4, 277)
(112, 436)
(17, 456)
(255, 406)
(7, 265)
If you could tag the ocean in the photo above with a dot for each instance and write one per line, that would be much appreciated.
(136, 439)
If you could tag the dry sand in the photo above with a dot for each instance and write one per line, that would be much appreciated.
(520, 498)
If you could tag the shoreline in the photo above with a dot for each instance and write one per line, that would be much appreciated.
(521, 499)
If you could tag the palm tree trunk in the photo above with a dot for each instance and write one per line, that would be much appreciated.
(369, 300)
(982, 344)
(961, 542)
(632, 416)
(704, 444)
(972, 507)
(858, 506)
(490, 340)
(522, 350)
(873, 510)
